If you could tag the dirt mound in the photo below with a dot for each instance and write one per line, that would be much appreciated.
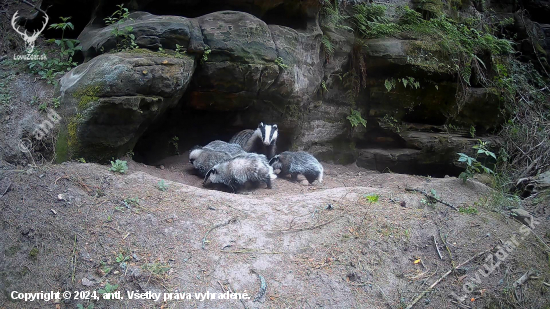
(357, 240)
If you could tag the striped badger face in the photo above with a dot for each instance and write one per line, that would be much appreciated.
(275, 162)
(269, 133)
(212, 176)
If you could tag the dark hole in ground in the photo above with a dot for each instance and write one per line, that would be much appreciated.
(193, 127)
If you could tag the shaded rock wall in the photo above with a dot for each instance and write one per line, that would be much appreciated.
(236, 70)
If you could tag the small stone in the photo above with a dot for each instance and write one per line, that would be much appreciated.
(86, 282)
(61, 197)
(116, 272)
(144, 72)
(161, 167)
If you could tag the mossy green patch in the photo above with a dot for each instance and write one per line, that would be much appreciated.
(12, 250)
(86, 95)
(61, 147)
(33, 254)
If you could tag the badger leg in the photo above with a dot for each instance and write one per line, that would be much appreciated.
(294, 176)
(310, 177)
(268, 182)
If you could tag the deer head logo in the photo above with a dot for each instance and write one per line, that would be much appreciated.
(29, 40)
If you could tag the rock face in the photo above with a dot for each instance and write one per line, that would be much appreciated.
(150, 32)
(235, 69)
(111, 100)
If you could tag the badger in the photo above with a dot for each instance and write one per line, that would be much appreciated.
(203, 159)
(241, 169)
(262, 140)
(230, 148)
(295, 163)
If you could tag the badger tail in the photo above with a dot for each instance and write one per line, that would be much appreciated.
(320, 178)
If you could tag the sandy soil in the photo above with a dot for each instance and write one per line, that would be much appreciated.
(72, 227)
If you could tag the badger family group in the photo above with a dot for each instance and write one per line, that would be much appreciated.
(250, 156)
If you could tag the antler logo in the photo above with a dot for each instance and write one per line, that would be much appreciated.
(29, 40)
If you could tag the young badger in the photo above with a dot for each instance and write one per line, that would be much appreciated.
(232, 149)
(203, 159)
(237, 171)
(295, 163)
(262, 140)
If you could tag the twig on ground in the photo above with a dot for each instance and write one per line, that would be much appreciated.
(546, 283)
(443, 277)
(528, 275)
(448, 250)
(437, 248)
(6, 190)
(263, 286)
(309, 228)
(232, 220)
(460, 305)
(73, 260)
(252, 251)
(432, 197)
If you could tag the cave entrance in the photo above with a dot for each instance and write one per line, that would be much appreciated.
(183, 127)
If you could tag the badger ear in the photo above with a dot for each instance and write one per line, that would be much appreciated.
(261, 125)
(274, 159)
(274, 126)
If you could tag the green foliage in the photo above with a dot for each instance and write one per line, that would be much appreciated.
(180, 49)
(355, 118)
(280, 63)
(407, 81)
(443, 44)
(389, 84)
(207, 52)
(473, 166)
(129, 202)
(174, 143)
(109, 288)
(162, 186)
(121, 258)
(470, 210)
(119, 166)
(391, 122)
(156, 268)
(472, 131)
(328, 47)
(124, 37)
(372, 198)
(58, 64)
(332, 19)
(80, 306)
(371, 21)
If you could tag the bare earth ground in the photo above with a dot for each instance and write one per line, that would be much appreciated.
(66, 227)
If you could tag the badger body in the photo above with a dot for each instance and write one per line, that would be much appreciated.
(295, 163)
(203, 159)
(241, 169)
(231, 148)
(263, 140)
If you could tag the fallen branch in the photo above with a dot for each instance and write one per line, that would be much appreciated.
(232, 220)
(432, 197)
(443, 277)
(263, 286)
(437, 248)
(528, 275)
